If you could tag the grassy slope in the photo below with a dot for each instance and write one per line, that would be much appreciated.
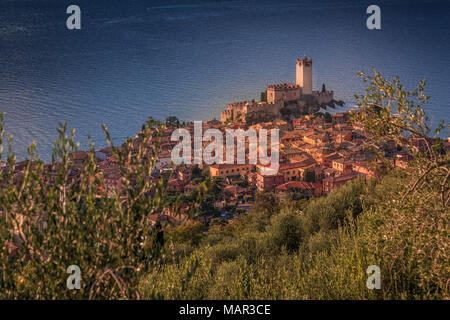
(322, 253)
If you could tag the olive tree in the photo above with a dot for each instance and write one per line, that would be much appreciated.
(56, 215)
(388, 111)
(407, 233)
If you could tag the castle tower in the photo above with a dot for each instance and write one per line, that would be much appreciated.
(304, 74)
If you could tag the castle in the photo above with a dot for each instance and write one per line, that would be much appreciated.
(280, 96)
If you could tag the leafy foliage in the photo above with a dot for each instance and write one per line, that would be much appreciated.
(388, 111)
(321, 249)
(316, 249)
(53, 219)
(309, 175)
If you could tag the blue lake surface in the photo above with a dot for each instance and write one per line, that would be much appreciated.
(134, 59)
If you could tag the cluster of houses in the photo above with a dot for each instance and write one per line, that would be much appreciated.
(333, 153)
(317, 155)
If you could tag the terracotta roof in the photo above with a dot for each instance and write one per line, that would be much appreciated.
(175, 182)
(79, 155)
(299, 185)
(343, 178)
(305, 163)
(229, 166)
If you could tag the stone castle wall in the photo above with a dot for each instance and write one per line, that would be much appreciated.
(283, 91)
(243, 110)
(323, 97)
(278, 94)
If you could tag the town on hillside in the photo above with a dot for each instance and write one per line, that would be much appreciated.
(318, 153)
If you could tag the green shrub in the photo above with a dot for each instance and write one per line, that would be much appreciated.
(285, 231)
(56, 221)
(223, 252)
(189, 233)
(189, 279)
(327, 213)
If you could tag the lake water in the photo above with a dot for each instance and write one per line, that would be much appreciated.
(134, 59)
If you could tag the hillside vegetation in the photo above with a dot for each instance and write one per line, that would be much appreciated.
(54, 216)
(319, 251)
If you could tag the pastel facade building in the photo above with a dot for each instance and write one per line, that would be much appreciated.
(331, 183)
(268, 182)
(230, 170)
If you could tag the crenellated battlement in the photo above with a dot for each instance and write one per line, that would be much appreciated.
(284, 92)
(278, 94)
(323, 96)
(304, 61)
(283, 86)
